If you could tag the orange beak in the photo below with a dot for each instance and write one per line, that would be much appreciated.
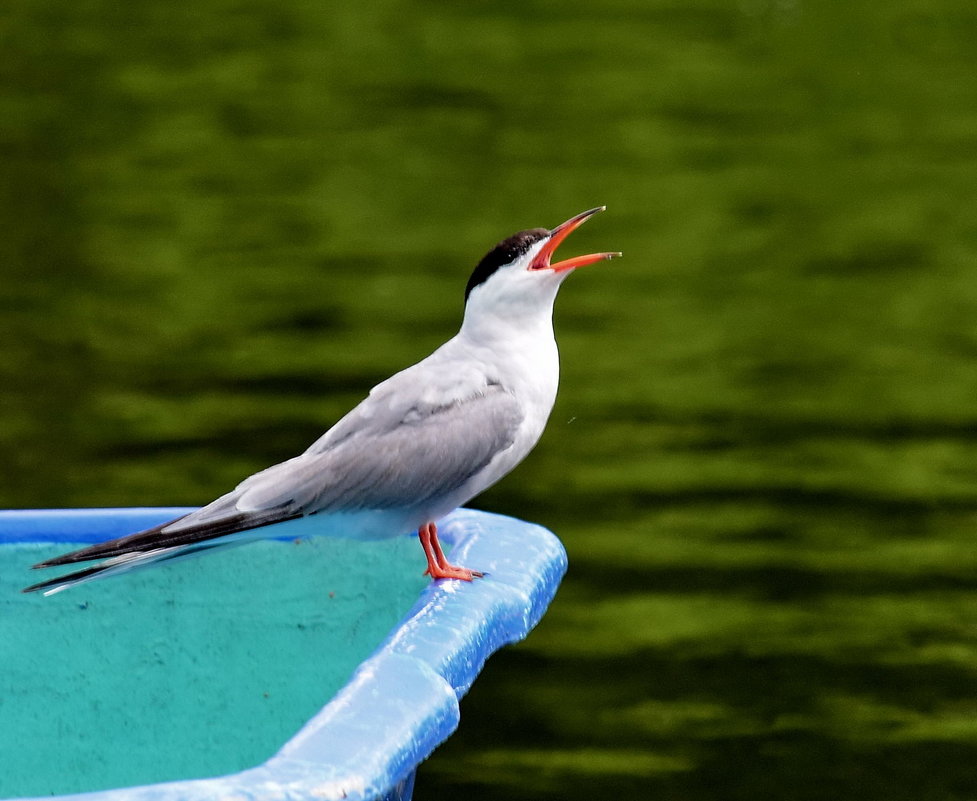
(557, 235)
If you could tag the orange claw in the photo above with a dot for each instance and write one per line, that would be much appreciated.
(438, 566)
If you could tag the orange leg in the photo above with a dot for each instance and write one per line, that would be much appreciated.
(438, 566)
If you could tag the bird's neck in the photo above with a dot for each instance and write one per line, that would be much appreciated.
(502, 334)
(525, 355)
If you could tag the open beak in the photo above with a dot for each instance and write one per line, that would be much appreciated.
(557, 235)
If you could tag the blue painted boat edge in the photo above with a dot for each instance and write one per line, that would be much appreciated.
(81, 526)
(402, 702)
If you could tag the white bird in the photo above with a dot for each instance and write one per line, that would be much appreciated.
(424, 441)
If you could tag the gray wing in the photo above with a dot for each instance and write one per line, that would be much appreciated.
(385, 454)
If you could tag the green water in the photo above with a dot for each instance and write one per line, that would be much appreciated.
(198, 669)
(221, 223)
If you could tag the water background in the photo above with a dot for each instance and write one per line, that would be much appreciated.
(222, 222)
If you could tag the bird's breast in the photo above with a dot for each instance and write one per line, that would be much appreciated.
(531, 375)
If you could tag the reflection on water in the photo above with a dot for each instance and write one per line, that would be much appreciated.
(222, 223)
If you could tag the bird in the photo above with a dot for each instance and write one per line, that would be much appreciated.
(422, 443)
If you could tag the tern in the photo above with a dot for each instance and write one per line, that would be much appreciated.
(422, 443)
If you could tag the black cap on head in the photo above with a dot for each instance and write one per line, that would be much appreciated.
(507, 251)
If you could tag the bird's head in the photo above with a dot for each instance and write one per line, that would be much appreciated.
(518, 277)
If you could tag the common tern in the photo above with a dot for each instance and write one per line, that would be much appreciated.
(424, 441)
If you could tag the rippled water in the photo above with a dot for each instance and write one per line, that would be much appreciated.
(221, 224)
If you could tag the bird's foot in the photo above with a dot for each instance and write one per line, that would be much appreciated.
(450, 571)
(438, 566)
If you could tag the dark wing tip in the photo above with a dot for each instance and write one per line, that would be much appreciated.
(100, 550)
(58, 561)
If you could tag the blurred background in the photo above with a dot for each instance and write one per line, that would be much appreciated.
(222, 222)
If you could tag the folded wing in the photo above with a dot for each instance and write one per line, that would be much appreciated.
(384, 454)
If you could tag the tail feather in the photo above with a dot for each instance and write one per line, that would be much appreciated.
(116, 547)
(63, 582)
(165, 542)
(160, 537)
